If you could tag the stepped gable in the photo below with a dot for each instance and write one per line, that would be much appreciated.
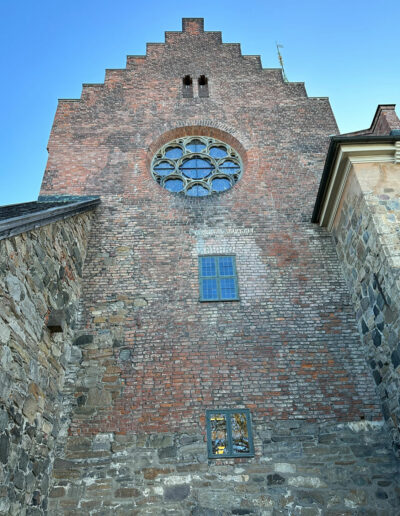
(196, 349)
(137, 104)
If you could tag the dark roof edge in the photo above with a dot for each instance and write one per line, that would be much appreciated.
(66, 198)
(17, 225)
(332, 151)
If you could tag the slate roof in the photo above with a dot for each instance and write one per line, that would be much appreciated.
(18, 218)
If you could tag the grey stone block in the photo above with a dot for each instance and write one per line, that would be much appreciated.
(176, 493)
(4, 448)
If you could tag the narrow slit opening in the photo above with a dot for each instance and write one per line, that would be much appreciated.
(203, 86)
(187, 86)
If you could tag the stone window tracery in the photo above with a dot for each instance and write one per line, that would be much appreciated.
(196, 166)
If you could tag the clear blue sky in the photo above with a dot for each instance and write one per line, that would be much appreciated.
(347, 50)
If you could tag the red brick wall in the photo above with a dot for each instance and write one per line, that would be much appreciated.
(289, 348)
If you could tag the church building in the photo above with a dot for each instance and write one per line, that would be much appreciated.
(201, 314)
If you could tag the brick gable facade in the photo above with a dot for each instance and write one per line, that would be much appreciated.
(154, 358)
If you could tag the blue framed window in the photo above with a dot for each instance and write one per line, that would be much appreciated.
(218, 278)
(229, 433)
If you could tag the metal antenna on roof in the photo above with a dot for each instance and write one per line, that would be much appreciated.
(278, 46)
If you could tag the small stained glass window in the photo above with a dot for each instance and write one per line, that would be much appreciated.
(197, 191)
(229, 433)
(218, 278)
(218, 152)
(220, 184)
(174, 185)
(195, 146)
(173, 152)
(164, 168)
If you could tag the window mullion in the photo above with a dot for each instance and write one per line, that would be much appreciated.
(229, 432)
(209, 441)
(218, 277)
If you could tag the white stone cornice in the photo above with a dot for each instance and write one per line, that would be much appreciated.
(397, 152)
(346, 156)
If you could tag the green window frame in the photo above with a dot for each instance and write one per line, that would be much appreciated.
(218, 278)
(229, 433)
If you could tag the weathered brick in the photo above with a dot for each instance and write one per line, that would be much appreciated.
(152, 358)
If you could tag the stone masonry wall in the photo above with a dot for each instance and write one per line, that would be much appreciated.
(367, 234)
(299, 469)
(39, 270)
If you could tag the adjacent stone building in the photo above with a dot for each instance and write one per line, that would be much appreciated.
(179, 335)
(359, 202)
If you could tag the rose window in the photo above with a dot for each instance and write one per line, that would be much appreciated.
(196, 166)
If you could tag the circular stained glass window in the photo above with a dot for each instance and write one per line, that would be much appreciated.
(196, 166)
